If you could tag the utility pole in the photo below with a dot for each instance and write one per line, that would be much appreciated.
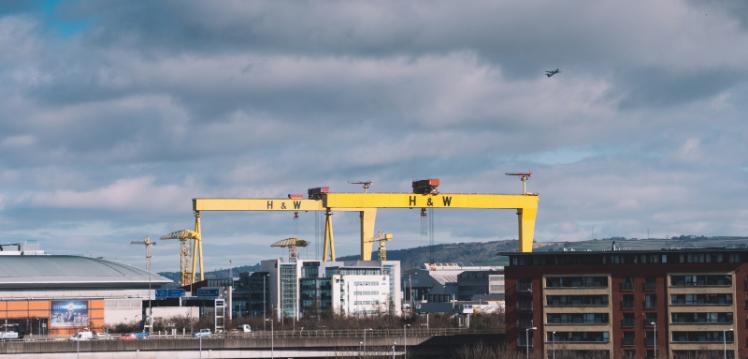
(148, 243)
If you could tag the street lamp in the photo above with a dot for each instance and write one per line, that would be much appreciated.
(366, 330)
(272, 339)
(527, 341)
(724, 340)
(405, 340)
(654, 337)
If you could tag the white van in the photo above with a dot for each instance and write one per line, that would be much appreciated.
(83, 335)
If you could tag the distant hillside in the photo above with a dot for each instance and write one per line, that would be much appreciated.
(484, 253)
(473, 253)
(222, 273)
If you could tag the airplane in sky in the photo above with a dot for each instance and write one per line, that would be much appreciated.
(549, 73)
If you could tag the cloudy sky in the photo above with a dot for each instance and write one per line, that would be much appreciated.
(115, 114)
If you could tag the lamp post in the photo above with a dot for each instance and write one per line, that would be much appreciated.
(527, 341)
(654, 337)
(405, 340)
(366, 330)
(553, 344)
(724, 340)
(272, 339)
(264, 305)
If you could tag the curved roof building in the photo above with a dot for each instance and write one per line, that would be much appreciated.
(72, 272)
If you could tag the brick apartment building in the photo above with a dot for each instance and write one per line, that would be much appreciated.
(628, 304)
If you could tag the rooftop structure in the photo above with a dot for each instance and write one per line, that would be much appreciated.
(54, 271)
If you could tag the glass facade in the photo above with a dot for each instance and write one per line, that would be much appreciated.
(288, 283)
(316, 297)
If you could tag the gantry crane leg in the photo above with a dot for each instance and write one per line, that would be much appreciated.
(368, 220)
(329, 243)
(197, 250)
(526, 221)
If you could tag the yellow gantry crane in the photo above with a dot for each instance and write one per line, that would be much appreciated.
(320, 199)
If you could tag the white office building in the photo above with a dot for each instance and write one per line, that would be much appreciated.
(352, 288)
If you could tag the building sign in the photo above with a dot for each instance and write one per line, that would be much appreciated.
(69, 313)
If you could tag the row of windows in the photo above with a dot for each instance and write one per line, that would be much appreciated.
(703, 337)
(629, 258)
(702, 280)
(577, 282)
(701, 299)
(576, 300)
(577, 318)
(709, 318)
(587, 337)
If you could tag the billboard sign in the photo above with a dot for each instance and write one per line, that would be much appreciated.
(69, 313)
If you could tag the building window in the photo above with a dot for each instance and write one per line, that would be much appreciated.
(702, 318)
(650, 284)
(627, 302)
(701, 299)
(691, 354)
(703, 337)
(627, 284)
(706, 280)
(577, 300)
(579, 337)
(628, 320)
(628, 339)
(577, 282)
(577, 318)
(650, 301)
(524, 285)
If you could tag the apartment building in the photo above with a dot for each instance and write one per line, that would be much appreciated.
(628, 304)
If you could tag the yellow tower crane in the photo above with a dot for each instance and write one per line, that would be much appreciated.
(382, 238)
(183, 236)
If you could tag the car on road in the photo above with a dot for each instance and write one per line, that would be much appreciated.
(83, 335)
(244, 328)
(102, 336)
(8, 334)
(202, 333)
(134, 336)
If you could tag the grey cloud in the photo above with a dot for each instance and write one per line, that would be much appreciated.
(669, 87)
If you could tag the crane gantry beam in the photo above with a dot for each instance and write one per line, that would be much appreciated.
(366, 204)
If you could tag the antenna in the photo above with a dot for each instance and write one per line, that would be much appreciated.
(523, 177)
(364, 184)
